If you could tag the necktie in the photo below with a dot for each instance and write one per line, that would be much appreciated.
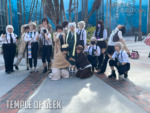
(11, 39)
(118, 56)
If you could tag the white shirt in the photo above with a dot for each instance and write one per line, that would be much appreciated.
(83, 34)
(110, 41)
(46, 42)
(7, 38)
(104, 35)
(90, 48)
(122, 56)
(31, 36)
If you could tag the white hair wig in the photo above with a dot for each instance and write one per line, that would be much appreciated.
(73, 24)
(81, 24)
(93, 39)
(119, 44)
(9, 26)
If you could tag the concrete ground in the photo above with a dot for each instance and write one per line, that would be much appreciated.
(91, 95)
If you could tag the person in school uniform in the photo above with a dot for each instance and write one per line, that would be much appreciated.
(71, 40)
(9, 48)
(93, 52)
(101, 35)
(119, 60)
(45, 24)
(116, 36)
(81, 34)
(84, 69)
(47, 43)
(22, 47)
(60, 64)
(32, 39)
(65, 25)
(59, 39)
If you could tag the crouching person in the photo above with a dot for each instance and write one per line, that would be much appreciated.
(84, 70)
(60, 64)
(93, 51)
(120, 61)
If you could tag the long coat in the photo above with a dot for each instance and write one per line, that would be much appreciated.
(57, 44)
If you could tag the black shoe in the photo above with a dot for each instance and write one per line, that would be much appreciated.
(27, 68)
(16, 67)
(8, 72)
(112, 75)
(12, 71)
(149, 55)
(45, 70)
(126, 75)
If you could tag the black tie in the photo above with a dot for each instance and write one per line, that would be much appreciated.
(11, 39)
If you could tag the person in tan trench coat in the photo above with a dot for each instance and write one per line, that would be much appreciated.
(59, 39)
(22, 47)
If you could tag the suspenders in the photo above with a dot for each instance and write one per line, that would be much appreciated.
(81, 33)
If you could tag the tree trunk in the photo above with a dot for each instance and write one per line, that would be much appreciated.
(36, 11)
(7, 12)
(107, 14)
(41, 10)
(82, 10)
(86, 10)
(110, 17)
(10, 12)
(140, 21)
(63, 10)
(70, 6)
(77, 9)
(24, 11)
(56, 4)
(32, 9)
(148, 23)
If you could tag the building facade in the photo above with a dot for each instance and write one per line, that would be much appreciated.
(3, 15)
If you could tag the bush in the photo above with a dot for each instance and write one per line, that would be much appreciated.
(90, 30)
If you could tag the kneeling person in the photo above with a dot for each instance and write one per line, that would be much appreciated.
(119, 60)
(60, 64)
(84, 70)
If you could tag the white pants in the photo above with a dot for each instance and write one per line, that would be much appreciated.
(57, 74)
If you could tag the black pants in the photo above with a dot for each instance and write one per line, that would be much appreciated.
(93, 60)
(121, 69)
(34, 50)
(9, 51)
(110, 50)
(46, 53)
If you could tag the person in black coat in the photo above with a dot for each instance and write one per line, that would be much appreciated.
(84, 67)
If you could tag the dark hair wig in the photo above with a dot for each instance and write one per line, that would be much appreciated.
(65, 23)
(101, 29)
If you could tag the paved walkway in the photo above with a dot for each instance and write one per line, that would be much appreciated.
(94, 95)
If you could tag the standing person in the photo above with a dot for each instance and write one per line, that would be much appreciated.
(71, 40)
(119, 60)
(84, 70)
(101, 35)
(46, 39)
(60, 64)
(32, 38)
(147, 42)
(81, 34)
(65, 27)
(9, 48)
(22, 47)
(116, 36)
(45, 24)
(93, 51)
(59, 39)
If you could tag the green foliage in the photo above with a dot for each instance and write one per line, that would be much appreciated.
(90, 30)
